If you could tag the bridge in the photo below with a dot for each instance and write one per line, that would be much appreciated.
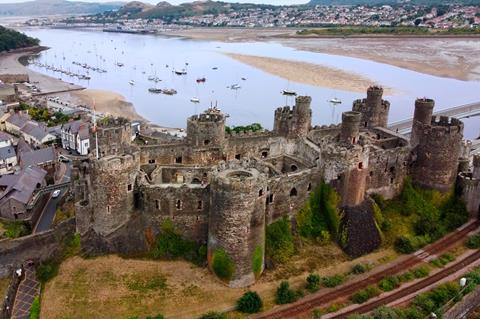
(44, 190)
(459, 112)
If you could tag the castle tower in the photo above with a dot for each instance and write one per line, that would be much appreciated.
(374, 109)
(112, 191)
(476, 167)
(437, 153)
(422, 116)
(350, 127)
(296, 122)
(207, 129)
(237, 225)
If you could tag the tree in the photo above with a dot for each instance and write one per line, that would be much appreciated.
(284, 294)
(250, 302)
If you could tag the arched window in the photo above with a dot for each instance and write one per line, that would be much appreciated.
(293, 192)
(294, 168)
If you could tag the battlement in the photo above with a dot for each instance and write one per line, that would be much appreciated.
(117, 162)
(112, 122)
(210, 115)
(246, 134)
(296, 121)
(441, 126)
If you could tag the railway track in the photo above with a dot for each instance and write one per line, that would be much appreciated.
(322, 299)
(413, 288)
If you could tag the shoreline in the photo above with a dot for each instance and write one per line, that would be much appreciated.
(308, 73)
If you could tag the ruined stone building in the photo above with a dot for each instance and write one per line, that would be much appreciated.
(223, 189)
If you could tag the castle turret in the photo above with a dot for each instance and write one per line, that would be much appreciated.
(207, 129)
(112, 191)
(296, 122)
(350, 127)
(374, 109)
(437, 153)
(111, 136)
(476, 167)
(422, 116)
(236, 232)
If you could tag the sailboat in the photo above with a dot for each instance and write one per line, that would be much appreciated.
(335, 100)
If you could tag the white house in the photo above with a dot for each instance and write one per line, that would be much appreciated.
(76, 136)
(8, 160)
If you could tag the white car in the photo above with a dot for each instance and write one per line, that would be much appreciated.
(56, 193)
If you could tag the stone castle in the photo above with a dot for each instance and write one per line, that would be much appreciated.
(223, 189)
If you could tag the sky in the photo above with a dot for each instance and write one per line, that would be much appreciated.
(277, 2)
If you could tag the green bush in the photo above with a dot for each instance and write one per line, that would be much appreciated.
(333, 281)
(313, 282)
(284, 294)
(389, 283)
(473, 242)
(358, 269)
(47, 270)
(364, 295)
(170, 244)
(213, 315)
(420, 272)
(316, 314)
(15, 229)
(35, 309)
(443, 260)
(279, 241)
(408, 244)
(250, 302)
(222, 265)
(431, 301)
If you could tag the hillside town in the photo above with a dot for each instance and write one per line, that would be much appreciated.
(435, 17)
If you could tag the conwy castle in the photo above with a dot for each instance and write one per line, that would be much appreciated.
(223, 189)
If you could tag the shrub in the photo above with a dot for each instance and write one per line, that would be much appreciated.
(316, 314)
(15, 229)
(250, 302)
(473, 242)
(313, 282)
(333, 281)
(454, 212)
(363, 295)
(222, 265)
(35, 309)
(47, 270)
(408, 244)
(434, 299)
(420, 272)
(441, 261)
(389, 283)
(358, 269)
(213, 315)
(406, 276)
(279, 241)
(284, 294)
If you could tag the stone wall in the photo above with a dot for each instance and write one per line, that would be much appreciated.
(9, 298)
(463, 308)
(39, 246)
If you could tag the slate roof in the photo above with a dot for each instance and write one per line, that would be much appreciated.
(37, 158)
(7, 152)
(18, 119)
(39, 132)
(21, 186)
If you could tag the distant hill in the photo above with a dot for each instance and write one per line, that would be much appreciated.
(167, 11)
(52, 7)
(381, 2)
(11, 39)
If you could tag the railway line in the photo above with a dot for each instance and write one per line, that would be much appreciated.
(319, 299)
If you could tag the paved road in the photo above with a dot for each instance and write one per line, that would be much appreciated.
(48, 214)
(28, 289)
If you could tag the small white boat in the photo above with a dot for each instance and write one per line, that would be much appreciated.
(335, 100)
(131, 82)
(120, 64)
(180, 72)
(169, 91)
(195, 100)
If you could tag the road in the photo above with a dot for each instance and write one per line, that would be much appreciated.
(48, 214)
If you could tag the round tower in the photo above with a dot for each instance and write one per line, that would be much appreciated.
(207, 129)
(302, 114)
(236, 231)
(422, 116)
(437, 153)
(350, 127)
(374, 109)
(476, 167)
(112, 191)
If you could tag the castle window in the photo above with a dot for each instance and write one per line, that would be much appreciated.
(371, 174)
(354, 140)
(238, 156)
(392, 169)
(206, 142)
(366, 124)
(391, 180)
(196, 181)
(270, 198)
(178, 204)
(108, 209)
(178, 160)
(157, 204)
(152, 161)
(200, 205)
(260, 193)
(309, 187)
(294, 168)
(360, 165)
(293, 192)
(129, 187)
(264, 154)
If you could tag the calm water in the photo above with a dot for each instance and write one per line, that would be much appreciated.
(259, 94)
